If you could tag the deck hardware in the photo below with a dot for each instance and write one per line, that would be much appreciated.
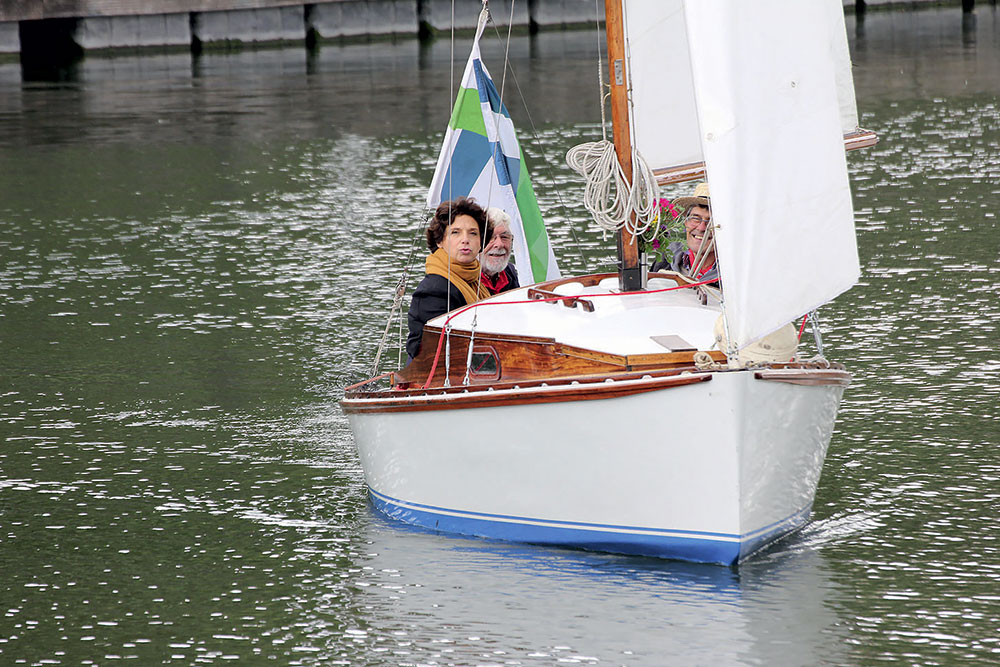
(569, 301)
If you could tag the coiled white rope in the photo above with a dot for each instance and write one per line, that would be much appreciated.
(597, 162)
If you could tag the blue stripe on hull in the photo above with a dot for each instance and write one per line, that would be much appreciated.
(700, 547)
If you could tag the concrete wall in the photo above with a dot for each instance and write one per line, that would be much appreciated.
(546, 11)
(111, 32)
(559, 13)
(10, 40)
(113, 24)
(354, 18)
(277, 24)
(436, 14)
(25, 10)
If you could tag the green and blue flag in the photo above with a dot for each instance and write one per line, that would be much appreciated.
(481, 158)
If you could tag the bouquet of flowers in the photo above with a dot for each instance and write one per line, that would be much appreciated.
(668, 227)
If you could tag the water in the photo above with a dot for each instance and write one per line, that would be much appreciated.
(196, 256)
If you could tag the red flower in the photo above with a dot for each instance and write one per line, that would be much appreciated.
(669, 205)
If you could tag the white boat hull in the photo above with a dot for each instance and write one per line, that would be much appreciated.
(709, 471)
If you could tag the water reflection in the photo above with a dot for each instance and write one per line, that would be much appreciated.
(197, 255)
(902, 55)
(432, 599)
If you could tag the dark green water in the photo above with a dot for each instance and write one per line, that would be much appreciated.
(197, 255)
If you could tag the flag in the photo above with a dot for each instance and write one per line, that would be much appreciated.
(481, 158)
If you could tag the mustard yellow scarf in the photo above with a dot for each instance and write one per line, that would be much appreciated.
(463, 276)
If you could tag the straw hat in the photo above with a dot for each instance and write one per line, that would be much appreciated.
(700, 198)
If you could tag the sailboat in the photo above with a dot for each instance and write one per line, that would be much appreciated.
(633, 412)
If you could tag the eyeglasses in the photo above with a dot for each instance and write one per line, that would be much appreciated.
(697, 221)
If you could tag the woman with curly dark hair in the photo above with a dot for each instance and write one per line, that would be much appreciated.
(456, 234)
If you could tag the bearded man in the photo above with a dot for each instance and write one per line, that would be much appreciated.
(499, 275)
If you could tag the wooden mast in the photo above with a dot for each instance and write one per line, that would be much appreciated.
(631, 275)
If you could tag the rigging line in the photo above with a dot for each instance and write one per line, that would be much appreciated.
(451, 107)
(397, 300)
(472, 344)
(644, 190)
(701, 256)
(506, 52)
(817, 336)
(503, 84)
(546, 162)
(484, 17)
(600, 69)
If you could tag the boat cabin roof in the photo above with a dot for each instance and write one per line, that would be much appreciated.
(600, 318)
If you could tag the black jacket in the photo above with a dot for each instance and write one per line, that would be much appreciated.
(429, 300)
(512, 274)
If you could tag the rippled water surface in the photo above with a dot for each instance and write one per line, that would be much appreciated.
(197, 255)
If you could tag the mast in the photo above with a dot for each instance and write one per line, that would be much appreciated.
(631, 274)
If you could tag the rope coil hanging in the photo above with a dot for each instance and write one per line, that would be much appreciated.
(634, 207)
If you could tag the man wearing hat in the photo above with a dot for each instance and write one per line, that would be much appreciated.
(695, 257)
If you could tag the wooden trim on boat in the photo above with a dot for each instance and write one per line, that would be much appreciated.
(583, 387)
(358, 385)
(680, 174)
(495, 396)
(669, 358)
(521, 358)
(591, 280)
(631, 272)
(805, 376)
(487, 336)
(860, 138)
(605, 358)
(524, 358)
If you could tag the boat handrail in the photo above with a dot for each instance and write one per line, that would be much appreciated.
(570, 301)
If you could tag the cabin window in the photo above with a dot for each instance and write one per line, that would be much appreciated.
(485, 363)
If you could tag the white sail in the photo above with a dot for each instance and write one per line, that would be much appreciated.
(841, 56)
(664, 118)
(771, 107)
